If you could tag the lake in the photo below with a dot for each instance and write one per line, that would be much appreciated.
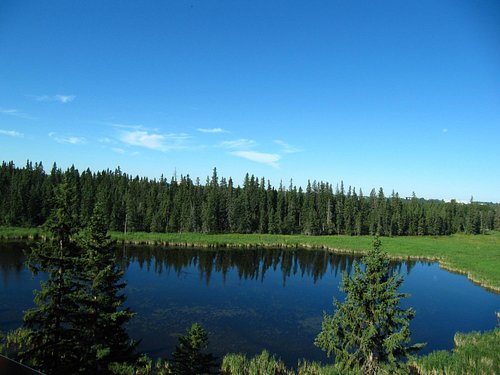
(254, 299)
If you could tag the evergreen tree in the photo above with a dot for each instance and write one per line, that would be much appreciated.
(53, 342)
(372, 216)
(189, 357)
(369, 329)
(211, 207)
(339, 209)
(102, 326)
(27, 199)
(497, 218)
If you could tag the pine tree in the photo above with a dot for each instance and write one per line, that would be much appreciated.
(53, 340)
(497, 218)
(102, 326)
(369, 329)
(189, 357)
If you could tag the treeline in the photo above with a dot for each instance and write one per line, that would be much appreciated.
(219, 206)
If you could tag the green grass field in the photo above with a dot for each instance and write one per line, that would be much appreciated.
(477, 256)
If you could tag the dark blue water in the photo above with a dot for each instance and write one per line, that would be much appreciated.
(251, 300)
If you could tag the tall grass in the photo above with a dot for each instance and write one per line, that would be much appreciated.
(266, 364)
(16, 233)
(474, 353)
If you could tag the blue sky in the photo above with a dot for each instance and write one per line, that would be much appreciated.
(403, 95)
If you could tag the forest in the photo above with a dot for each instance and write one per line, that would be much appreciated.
(219, 206)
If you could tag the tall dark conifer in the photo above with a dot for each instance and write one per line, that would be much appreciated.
(53, 342)
(104, 317)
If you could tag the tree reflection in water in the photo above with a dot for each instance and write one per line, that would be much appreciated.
(251, 264)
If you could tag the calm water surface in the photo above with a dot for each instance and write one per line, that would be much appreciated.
(249, 300)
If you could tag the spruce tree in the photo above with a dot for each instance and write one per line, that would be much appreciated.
(189, 357)
(52, 343)
(102, 326)
(369, 329)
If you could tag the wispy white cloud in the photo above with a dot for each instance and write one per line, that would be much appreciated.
(106, 140)
(11, 133)
(259, 157)
(15, 113)
(122, 151)
(125, 126)
(67, 139)
(238, 143)
(154, 141)
(55, 98)
(118, 150)
(65, 98)
(286, 147)
(212, 130)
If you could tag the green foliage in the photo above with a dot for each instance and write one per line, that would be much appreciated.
(14, 341)
(52, 335)
(474, 353)
(143, 366)
(238, 364)
(103, 321)
(139, 204)
(77, 324)
(369, 329)
(264, 363)
(189, 357)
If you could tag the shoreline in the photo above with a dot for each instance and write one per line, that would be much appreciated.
(457, 253)
(436, 259)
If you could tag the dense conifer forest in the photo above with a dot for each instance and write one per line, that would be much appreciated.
(219, 206)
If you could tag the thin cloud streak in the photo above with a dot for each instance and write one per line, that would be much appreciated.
(106, 140)
(118, 150)
(73, 140)
(212, 130)
(11, 133)
(238, 143)
(259, 157)
(154, 141)
(286, 147)
(123, 126)
(15, 113)
(55, 98)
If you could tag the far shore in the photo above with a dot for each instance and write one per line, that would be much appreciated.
(477, 256)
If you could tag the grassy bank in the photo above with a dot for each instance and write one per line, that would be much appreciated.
(474, 353)
(476, 256)
(16, 233)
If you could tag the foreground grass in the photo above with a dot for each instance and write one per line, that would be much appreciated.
(477, 256)
(474, 353)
